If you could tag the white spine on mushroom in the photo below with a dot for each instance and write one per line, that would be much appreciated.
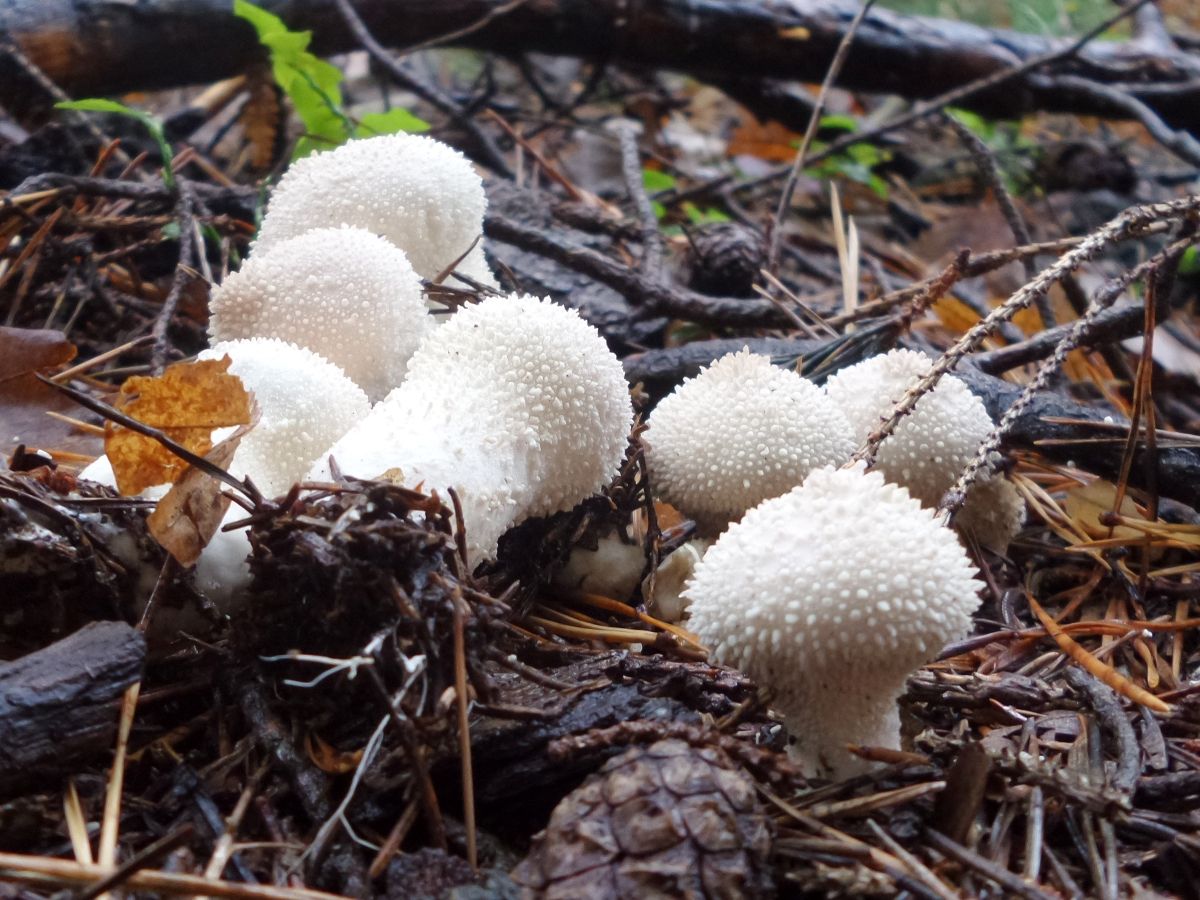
(418, 193)
(344, 293)
(832, 595)
(740, 432)
(516, 402)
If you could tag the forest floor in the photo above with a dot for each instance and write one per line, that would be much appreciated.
(473, 737)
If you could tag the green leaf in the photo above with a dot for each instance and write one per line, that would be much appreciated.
(390, 122)
(840, 123)
(152, 125)
(654, 181)
(698, 216)
(975, 122)
(1189, 263)
(264, 23)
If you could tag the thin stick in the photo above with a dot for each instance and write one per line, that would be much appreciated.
(1122, 224)
(43, 870)
(464, 734)
(111, 824)
(814, 119)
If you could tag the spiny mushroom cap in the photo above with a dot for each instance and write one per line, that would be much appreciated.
(846, 579)
(537, 374)
(740, 432)
(305, 403)
(992, 513)
(344, 293)
(929, 448)
(418, 193)
(515, 402)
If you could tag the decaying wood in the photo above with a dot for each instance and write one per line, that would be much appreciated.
(61, 703)
(98, 47)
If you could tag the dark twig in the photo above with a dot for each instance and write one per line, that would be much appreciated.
(490, 154)
(143, 859)
(814, 119)
(661, 298)
(989, 170)
(631, 169)
(1107, 706)
(1126, 222)
(1178, 141)
(981, 465)
(1107, 323)
(985, 867)
(185, 210)
(954, 96)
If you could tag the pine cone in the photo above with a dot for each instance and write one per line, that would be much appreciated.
(724, 259)
(666, 820)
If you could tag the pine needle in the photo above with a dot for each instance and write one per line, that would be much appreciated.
(1085, 660)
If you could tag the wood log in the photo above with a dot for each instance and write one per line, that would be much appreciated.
(91, 47)
(60, 704)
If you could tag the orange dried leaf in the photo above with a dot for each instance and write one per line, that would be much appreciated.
(1087, 504)
(186, 403)
(770, 141)
(329, 759)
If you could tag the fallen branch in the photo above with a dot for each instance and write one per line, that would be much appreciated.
(99, 47)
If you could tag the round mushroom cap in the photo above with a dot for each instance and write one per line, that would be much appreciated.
(992, 513)
(344, 293)
(305, 403)
(740, 432)
(536, 376)
(846, 579)
(929, 448)
(515, 402)
(420, 194)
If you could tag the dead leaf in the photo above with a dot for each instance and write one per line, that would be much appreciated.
(24, 401)
(329, 759)
(769, 141)
(1086, 505)
(190, 513)
(263, 119)
(186, 403)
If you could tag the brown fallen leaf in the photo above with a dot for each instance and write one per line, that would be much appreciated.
(190, 513)
(186, 403)
(330, 759)
(24, 401)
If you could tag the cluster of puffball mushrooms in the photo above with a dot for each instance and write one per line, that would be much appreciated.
(798, 568)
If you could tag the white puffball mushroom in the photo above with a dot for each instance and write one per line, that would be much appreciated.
(666, 600)
(344, 293)
(612, 568)
(930, 447)
(305, 403)
(740, 432)
(832, 595)
(992, 513)
(515, 402)
(420, 194)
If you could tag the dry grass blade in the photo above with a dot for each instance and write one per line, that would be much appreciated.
(1101, 670)
(110, 826)
(47, 871)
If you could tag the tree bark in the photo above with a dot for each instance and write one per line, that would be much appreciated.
(92, 47)
(60, 704)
